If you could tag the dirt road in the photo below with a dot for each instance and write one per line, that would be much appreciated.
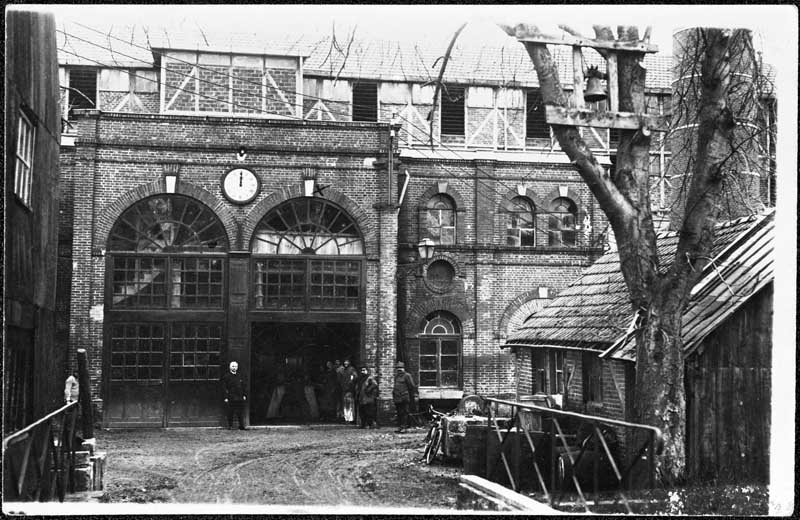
(285, 465)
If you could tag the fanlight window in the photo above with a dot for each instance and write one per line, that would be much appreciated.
(167, 252)
(441, 219)
(307, 226)
(440, 351)
(561, 228)
(168, 224)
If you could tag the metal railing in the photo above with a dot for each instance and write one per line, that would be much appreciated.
(39, 460)
(571, 455)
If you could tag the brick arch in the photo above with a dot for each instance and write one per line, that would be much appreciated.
(108, 217)
(539, 204)
(445, 188)
(365, 225)
(514, 310)
(419, 310)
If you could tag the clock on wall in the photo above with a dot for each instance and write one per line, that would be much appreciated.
(240, 185)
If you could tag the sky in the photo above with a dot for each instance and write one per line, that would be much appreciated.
(773, 26)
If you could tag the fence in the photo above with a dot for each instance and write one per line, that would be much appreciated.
(560, 458)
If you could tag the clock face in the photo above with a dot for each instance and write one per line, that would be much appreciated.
(240, 185)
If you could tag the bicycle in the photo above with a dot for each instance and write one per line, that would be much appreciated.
(433, 440)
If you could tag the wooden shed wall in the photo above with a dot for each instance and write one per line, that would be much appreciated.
(728, 397)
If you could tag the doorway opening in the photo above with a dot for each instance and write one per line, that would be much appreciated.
(288, 368)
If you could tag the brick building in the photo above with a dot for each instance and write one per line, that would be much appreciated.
(171, 282)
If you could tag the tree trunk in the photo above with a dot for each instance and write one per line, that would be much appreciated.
(659, 399)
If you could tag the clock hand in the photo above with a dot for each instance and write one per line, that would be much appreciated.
(241, 175)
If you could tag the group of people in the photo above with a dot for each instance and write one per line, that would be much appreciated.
(342, 394)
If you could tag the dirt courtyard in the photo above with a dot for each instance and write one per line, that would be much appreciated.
(332, 465)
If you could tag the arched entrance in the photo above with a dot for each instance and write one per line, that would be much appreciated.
(308, 293)
(165, 314)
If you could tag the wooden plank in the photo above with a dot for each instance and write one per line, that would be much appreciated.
(624, 120)
(566, 39)
(613, 82)
(577, 77)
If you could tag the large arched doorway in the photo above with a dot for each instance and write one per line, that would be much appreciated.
(165, 314)
(308, 293)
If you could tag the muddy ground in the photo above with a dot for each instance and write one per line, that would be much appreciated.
(276, 465)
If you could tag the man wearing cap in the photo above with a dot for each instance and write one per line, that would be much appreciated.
(403, 392)
(235, 395)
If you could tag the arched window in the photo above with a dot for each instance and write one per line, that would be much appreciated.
(440, 219)
(167, 251)
(521, 223)
(440, 351)
(307, 257)
(561, 228)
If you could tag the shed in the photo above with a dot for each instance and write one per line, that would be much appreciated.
(581, 345)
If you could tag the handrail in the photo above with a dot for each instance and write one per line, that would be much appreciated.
(27, 429)
(604, 420)
(572, 455)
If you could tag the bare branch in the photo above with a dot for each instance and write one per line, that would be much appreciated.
(439, 81)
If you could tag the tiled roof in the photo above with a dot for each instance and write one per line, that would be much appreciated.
(595, 312)
(127, 45)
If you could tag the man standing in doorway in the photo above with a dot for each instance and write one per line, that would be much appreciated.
(235, 395)
(348, 387)
(403, 393)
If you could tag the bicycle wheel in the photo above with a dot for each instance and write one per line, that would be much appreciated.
(435, 444)
(428, 439)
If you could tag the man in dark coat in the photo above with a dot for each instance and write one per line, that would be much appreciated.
(367, 395)
(235, 394)
(403, 393)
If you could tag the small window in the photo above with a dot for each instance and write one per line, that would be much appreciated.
(440, 274)
(521, 223)
(592, 378)
(613, 138)
(453, 110)
(548, 371)
(365, 102)
(23, 170)
(82, 89)
(561, 228)
(441, 219)
(536, 126)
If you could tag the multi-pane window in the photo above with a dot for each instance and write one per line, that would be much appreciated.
(23, 169)
(139, 281)
(314, 228)
(365, 101)
(440, 351)
(441, 219)
(335, 284)
(453, 110)
(521, 223)
(548, 371)
(196, 282)
(536, 126)
(195, 352)
(562, 221)
(137, 352)
(167, 252)
(280, 284)
(592, 377)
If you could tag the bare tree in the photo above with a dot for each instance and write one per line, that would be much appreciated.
(659, 296)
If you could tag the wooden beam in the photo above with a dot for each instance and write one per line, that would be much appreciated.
(577, 77)
(624, 120)
(623, 46)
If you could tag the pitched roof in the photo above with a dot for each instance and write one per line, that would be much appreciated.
(595, 312)
(383, 60)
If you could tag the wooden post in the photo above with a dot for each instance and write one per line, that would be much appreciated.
(577, 77)
(613, 83)
(85, 395)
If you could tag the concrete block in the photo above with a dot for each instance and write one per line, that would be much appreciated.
(99, 467)
(83, 478)
(82, 458)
